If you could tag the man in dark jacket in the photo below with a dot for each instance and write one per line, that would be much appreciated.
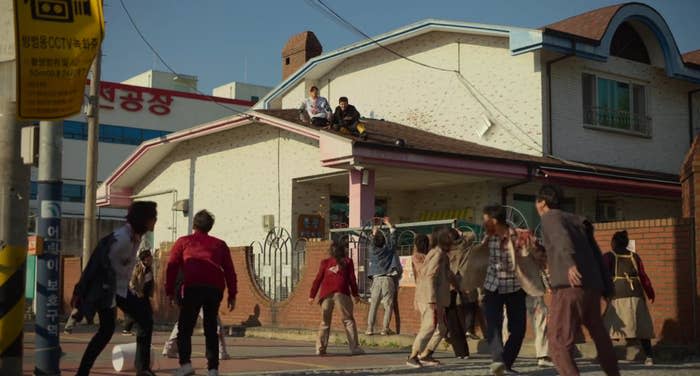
(345, 116)
(382, 269)
(578, 283)
(104, 285)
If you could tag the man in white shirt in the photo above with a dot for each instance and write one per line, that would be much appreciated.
(104, 285)
(317, 108)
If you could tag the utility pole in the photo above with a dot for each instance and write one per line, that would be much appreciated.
(46, 337)
(14, 204)
(93, 125)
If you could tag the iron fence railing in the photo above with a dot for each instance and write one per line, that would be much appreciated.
(278, 263)
(624, 120)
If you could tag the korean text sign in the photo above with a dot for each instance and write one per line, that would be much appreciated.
(57, 40)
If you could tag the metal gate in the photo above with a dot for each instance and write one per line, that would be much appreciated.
(277, 263)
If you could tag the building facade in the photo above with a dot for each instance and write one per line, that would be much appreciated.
(498, 111)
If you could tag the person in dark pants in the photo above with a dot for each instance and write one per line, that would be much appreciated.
(578, 279)
(471, 309)
(502, 289)
(104, 285)
(206, 265)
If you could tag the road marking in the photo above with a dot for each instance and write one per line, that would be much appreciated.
(303, 364)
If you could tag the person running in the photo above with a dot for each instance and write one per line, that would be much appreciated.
(382, 269)
(432, 297)
(578, 280)
(627, 314)
(104, 285)
(335, 285)
(170, 348)
(207, 268)
(502, 288)
(456, 316)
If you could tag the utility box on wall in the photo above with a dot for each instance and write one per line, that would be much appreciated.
(268, 222)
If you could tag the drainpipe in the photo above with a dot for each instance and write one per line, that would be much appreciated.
(691, 131)
(550, 144)
(505, 188)
(694, 278)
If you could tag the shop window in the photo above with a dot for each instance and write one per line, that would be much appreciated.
(616, 105)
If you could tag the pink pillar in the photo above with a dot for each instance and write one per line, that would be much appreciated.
(361, 197)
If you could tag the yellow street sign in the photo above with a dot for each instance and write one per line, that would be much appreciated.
(57, 40)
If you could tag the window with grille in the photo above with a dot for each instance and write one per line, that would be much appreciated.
(616, 105)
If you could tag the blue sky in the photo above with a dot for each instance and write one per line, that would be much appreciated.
(214, 39)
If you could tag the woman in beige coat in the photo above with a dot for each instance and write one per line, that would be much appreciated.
(432, 297)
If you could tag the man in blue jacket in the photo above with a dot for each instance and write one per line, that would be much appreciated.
(383, 267)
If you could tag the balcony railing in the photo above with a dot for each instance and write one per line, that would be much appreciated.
(615, 119)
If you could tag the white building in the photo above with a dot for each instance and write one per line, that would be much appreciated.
(602, 103)
(148, 106)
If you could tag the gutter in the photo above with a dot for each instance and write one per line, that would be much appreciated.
(505, 188)
(550, 143)
(691, 131)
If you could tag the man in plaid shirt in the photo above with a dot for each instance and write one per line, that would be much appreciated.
(502, 289)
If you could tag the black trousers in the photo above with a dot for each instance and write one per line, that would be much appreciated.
(455, 326)
(140, 310)
(470, 310)
(516, 311)
(207, 299)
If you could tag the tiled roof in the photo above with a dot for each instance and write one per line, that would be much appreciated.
(384, 133)
(589, 26)
(692, 57)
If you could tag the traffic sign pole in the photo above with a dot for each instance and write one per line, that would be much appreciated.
(46, 338)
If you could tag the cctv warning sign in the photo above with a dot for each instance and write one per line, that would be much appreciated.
(57, 40)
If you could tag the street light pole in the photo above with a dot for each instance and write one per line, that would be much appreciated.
(14, 204)
(93, 125)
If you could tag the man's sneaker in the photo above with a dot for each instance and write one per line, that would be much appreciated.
(428, 360)
(357, 351)
(127, 333)
(511, 371)
(473, 336)
(464, 357)
(320, 352)
(184, 370)
(387, 332)
(649, 361)
(369, 333)
(544, 362)
(414, 362)
(224, 356)
(497, 368)
(213, 372)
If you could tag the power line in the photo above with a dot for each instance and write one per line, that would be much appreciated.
(334, 14)
(155, 52)
(325, 9)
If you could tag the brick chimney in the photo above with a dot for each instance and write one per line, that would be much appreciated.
(299, 49)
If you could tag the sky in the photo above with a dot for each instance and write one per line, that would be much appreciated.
(222, 41)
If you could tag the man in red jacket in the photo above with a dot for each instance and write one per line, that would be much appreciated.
(206, 264)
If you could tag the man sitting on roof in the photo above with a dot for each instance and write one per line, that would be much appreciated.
(346, 116)
(317, 108)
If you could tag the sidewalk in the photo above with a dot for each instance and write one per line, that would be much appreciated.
(255, 356)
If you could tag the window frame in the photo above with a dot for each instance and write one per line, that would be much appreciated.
(631, 83)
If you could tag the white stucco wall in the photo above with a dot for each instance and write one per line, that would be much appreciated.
(235, 175)
(384, 86)
(667, 105)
